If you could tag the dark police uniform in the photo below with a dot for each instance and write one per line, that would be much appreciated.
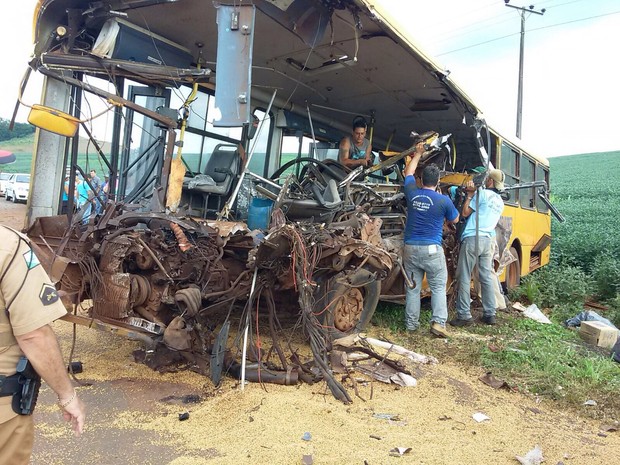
(28, 301)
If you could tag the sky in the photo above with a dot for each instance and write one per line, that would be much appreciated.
(571, 65)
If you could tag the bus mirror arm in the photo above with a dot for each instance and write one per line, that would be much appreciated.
(543, 194)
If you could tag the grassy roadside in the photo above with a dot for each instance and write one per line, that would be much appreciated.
(546, 361)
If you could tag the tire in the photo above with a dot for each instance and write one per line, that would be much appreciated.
(6, 197)
(513, 271)
(349, 309)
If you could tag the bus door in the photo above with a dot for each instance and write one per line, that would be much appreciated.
(142, 154)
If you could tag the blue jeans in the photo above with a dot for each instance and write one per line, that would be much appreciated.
(88, 207)
(467, 261)
(429, 259)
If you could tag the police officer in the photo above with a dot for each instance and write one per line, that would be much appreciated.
(28, 304)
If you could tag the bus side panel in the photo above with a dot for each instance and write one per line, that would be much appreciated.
(528, 227)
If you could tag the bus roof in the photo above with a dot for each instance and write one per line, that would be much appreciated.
(334, 63)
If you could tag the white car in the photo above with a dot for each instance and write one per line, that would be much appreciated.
(4, 179)
(17, 188)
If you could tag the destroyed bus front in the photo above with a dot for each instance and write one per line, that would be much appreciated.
(207, 102)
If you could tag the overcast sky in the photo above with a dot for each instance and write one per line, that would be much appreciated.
(571, 67)
(570, 102)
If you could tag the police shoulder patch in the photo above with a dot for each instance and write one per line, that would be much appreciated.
(31, 259)
(48, 294)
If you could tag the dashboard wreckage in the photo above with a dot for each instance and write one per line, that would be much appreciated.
(167, 257)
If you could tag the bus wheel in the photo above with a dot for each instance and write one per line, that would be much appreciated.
(513, 272)
(349, 308)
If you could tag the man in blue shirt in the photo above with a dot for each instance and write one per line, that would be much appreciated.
(426, 211)
(490, 206)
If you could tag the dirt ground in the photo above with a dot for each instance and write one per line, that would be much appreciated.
(133, 416)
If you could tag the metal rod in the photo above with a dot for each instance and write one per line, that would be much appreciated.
(246, 330)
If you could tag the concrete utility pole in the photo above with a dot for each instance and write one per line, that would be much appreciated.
(522, 10)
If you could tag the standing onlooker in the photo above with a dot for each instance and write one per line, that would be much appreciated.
(95, 182)
(28, 303)
(426, 211)
(84, 196)
(65, 196)
(481, 224)
(105, 189)
(355, 150)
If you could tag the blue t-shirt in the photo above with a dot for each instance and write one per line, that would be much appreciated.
(426, 212)
(490, 209)
(82, 192)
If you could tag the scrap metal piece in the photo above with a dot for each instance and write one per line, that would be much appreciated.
(217, 353)
(146, 325)
(176, 335)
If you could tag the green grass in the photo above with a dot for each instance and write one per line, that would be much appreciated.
(551, 361)
(547, 361)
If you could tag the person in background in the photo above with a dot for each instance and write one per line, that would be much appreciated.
(423, 254)
(65, 196)
(105, 189)
(482, 224)
(95, 182)
(28, 304)
(355, 150)
(84, 196)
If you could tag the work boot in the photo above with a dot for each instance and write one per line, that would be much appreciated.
(489, 319)
(438, 330)
(459, 323)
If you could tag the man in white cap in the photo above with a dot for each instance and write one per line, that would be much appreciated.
(482, 223)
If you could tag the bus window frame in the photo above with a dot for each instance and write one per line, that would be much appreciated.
(512, 176)
(540, 205)
(203, 132)
(530, 192)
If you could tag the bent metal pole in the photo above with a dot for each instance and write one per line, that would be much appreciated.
(245, 331)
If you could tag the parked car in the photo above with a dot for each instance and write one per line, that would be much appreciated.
(4, 179)
(17, 188)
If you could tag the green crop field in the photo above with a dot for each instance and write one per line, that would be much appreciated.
(586, 190)
(23, 148)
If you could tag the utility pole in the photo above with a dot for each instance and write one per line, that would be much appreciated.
(522, 11)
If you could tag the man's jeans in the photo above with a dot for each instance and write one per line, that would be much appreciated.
(429, 259)
(467, 261)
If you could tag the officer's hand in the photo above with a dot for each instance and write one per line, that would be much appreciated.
(75, 413)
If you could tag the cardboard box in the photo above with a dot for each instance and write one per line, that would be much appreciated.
(598, 334)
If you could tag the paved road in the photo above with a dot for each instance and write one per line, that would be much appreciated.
(12, 214)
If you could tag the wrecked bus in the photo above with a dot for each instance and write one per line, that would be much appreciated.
(229, 114)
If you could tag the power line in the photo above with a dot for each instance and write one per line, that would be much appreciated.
(529, 30)
(484, 24)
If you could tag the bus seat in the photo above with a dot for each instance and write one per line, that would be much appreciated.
(222, 168)
(322, 208)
